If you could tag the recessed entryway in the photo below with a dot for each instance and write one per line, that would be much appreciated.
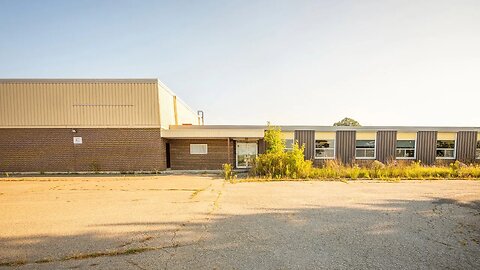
(245, 154)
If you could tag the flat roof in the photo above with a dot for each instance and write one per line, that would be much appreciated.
(86, 80)
(329, 128)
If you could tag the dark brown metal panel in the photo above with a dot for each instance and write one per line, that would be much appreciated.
(466, 145)
(307, 138)
(386, 145)
(426, 147)
(261, 146)
(345, 146)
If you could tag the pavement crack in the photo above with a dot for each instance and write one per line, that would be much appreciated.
(174, 244)
(83, 256)
(196, 192)
(141, 241)
(135, 264)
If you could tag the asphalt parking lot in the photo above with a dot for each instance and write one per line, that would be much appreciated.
(201, 222)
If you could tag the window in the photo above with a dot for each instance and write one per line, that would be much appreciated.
(246, 153)
(324, 149)
(198, 149)
(446, 149)
(288, 145)
(365, 149)
(477, 153)
(405, 149)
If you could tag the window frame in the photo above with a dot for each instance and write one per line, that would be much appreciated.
(289, 149)
(374, 149)
(329, 148)
(414, 150)
(196, 144)
(454, 149)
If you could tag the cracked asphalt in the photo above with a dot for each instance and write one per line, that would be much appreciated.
(202, 222)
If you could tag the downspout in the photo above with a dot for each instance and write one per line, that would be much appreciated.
(228, 150)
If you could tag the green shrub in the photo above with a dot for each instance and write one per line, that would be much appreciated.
(278, 164)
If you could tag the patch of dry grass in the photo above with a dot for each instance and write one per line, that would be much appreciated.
(393, 172)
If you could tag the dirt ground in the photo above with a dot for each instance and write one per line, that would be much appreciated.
(201, 222)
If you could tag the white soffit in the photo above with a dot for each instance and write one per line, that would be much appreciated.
(212, 133)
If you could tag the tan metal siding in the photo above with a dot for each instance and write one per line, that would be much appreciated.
(307, 138)
(406, 136)
(466, 145)
(86, 104)
(386, 146)
(288, 135)
(325, 135)
(366, 135)
(345, 146)
(446, 136)
(173, 111)
(426, 147)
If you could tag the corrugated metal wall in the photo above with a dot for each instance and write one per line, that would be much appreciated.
(466, 145)
(345, 146)
(307, 138)
(386, 145)
(86, 103)
(261, 146)
(426, 147)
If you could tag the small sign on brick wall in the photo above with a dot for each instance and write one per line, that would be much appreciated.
(77, 140)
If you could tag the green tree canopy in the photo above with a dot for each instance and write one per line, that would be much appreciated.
(274, 140)
(347, 122)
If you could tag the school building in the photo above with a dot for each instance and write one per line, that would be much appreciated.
(124, 125)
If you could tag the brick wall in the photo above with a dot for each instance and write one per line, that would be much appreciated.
(181, 159)
(52, 150)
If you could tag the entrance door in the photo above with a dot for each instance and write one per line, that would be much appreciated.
(167, 150)
(245, 154)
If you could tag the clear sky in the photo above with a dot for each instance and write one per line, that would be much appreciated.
(248, 62)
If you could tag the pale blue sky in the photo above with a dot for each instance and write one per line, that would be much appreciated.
(248, 62)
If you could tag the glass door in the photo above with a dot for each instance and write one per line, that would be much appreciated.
(245, 154)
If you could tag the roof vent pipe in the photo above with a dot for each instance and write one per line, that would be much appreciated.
(175, 114)
(201, 118)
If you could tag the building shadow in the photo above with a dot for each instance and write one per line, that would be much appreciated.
(437, 233)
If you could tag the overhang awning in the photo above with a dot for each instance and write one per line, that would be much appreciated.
(203, 133)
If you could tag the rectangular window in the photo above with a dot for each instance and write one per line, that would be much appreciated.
(445, 149)
(477, 152)
(198, 149)
(405, 149)
(365, 149)
(288, 145)
(325, 149)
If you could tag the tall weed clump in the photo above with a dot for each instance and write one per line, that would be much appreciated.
(275, 163)
(227, 171)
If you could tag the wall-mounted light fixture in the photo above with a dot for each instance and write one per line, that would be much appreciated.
(74, 131)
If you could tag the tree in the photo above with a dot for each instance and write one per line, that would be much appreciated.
(347, 122)
(274, 140)
(276, 163)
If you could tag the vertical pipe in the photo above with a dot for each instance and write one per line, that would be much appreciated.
(175, 109)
